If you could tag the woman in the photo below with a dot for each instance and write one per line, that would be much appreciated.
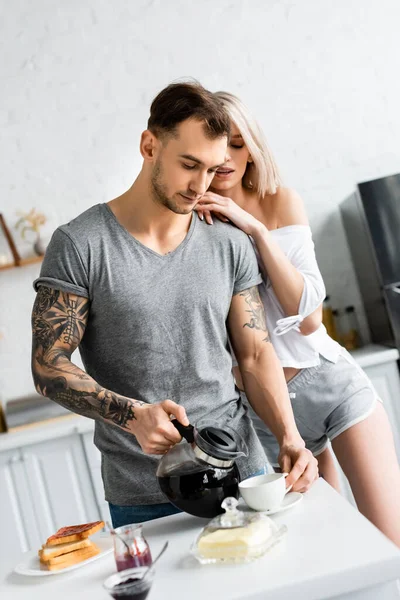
(331, 396)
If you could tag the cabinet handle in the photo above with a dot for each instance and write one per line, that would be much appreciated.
(14, 459)
(393, 288)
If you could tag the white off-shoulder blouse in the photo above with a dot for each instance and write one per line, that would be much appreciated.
(294, 349)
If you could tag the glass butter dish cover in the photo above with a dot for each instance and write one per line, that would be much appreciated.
(236, 536)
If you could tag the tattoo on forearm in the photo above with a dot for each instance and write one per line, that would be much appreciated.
(256, 311)
(114, 410)
(58, 324)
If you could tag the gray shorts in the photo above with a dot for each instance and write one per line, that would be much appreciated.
(326, 400)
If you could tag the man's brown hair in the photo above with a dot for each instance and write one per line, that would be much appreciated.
(189, 100)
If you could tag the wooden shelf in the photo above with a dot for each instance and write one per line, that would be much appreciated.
(5, 267)
(18, 261)
(22, 262)
(30, 261)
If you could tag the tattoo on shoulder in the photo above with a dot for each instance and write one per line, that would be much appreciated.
(45, 298)
(58, 316)
(256, 311)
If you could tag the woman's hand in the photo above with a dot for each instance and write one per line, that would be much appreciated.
(226, 210)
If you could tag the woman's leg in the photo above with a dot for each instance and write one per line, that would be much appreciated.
(327, 469)
(367, 456)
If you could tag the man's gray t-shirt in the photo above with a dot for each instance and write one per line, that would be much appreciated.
(156, 329)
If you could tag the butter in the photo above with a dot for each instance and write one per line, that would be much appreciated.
(237, 542)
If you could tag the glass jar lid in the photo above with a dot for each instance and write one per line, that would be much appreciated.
(236, 536)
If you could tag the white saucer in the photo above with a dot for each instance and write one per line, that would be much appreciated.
(290, 500)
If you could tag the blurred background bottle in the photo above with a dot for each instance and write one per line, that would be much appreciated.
(349, 329)
(3, 425)
(328, 318)
(336, 317)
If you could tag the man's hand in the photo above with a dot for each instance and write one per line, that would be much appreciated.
(153, 429)
(301, 466)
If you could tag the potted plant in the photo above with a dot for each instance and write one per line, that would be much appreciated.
(32, 221)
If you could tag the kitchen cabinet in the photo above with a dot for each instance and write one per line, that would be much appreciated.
(59, 481)
(44, 486)
(18, 527)
(385, 378)
(94, 461)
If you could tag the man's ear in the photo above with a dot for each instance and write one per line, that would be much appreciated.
(149, 145)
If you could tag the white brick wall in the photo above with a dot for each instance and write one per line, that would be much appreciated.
(77, 78)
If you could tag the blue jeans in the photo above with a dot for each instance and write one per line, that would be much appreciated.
(266, 470)
(124, 515)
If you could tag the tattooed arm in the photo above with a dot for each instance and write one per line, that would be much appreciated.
(265, 385)
(58, 323)
(262, 374)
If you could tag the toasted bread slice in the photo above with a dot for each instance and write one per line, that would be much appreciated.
(70, 555)
(48, 552)
(74, 533)
(72, 558)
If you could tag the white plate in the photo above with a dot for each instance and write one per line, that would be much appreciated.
(31, 566)
(290, 500)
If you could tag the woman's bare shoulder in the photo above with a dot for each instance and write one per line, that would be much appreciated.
(288, 207)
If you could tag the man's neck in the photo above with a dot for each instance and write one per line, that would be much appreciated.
(140, 213)
(147, 220)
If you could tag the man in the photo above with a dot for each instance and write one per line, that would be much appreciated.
(147, 292)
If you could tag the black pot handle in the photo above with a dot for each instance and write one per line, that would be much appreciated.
(186, 431)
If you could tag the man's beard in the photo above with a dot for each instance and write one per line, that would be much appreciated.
(159, 192)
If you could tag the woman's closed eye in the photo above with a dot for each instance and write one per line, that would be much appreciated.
(191, 167)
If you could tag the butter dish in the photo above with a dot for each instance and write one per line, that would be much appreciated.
(236, 536)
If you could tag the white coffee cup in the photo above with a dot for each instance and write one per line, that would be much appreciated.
(264, 492)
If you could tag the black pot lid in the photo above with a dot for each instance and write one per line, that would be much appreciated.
(217, 443)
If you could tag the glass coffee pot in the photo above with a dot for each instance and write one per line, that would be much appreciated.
(198, 474)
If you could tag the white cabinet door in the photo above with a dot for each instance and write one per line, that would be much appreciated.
(386, 380)
(18, 528)
(60, 484)
(94, 459)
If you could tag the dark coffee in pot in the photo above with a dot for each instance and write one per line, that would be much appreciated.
(200, 493)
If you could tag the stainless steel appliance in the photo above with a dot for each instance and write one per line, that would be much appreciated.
(371, 218)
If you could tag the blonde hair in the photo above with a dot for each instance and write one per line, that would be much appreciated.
(262, 175)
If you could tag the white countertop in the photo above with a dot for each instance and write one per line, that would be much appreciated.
(373, 355)
(46, 430)
(330, 550)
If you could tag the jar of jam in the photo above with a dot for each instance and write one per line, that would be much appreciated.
(132, 584)
(135, 552)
